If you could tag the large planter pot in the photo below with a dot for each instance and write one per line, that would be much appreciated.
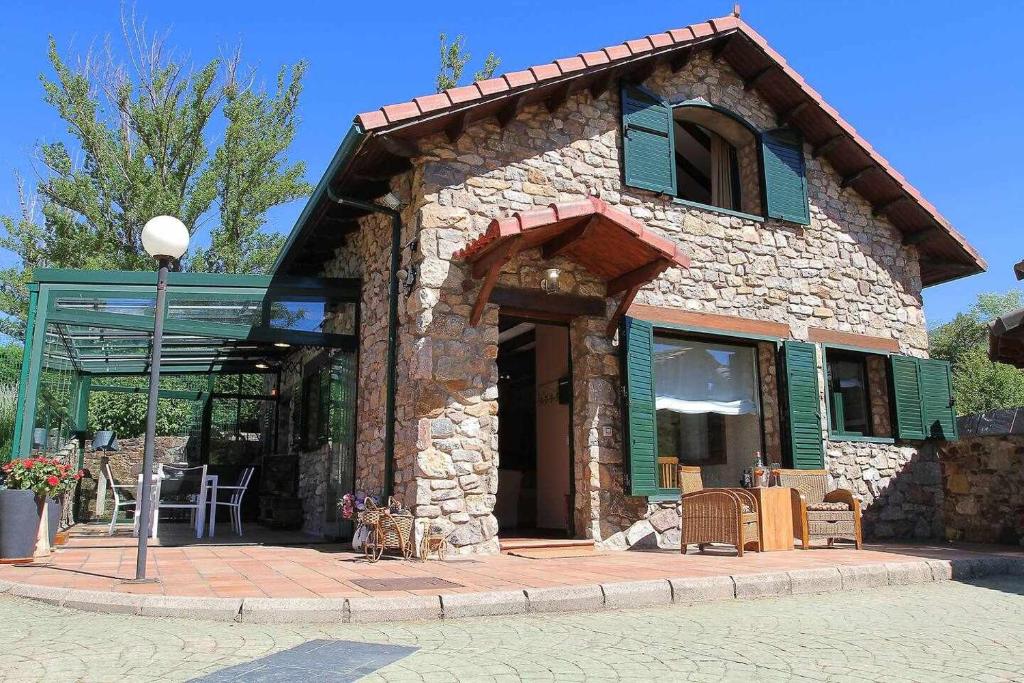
(19, 525)
(53, 512)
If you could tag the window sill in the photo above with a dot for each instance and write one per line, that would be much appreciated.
(861, 439)
(664, 495)
(718, 209)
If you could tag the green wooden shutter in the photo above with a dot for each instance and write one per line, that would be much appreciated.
(906, 386)
(648, 141)
(641, 438)
(785, 179)
(804, 406)
(937, 399)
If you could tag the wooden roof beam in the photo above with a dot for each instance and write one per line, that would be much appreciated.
(510, 111)
(827, 146)
(785, 117)
(457, 127)
(620, 310)
(851, 179)
(561, 94)
(751, 83)
(919, 236)
(718, 50)
(641, 73)
(603, 82)
(562, 242)
(637, 277)
(679, 60)
(883, 208)
(399, 147)
(504, 253)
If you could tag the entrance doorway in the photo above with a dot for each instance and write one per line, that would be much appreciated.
(534, 429)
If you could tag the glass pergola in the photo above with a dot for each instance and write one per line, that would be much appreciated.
(87, 329)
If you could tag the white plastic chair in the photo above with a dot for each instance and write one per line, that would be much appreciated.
(234, 503)
(124, 497)
(184, 488)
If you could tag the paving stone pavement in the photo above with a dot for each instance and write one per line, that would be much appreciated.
(927, 632)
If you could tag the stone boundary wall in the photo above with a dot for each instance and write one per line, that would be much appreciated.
(983, 479)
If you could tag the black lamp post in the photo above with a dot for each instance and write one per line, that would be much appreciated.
(165, 238)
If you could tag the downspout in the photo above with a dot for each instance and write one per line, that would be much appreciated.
(392, 350)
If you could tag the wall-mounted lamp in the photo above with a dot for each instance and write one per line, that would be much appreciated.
(549, 282)
(282, 345)
(262, 366)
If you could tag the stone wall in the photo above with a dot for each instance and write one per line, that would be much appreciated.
(983, 478)
(847, 271)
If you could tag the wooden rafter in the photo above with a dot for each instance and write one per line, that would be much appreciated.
(785, 117)
(620, 310)
(851, 179)
(680, 60)
(510, 111)
(638, 276)
(919, 236)
(457, 127)
(560, 95)
(827, 146)
(503, 253)
(883, 208)
(559, 243)
(640, 73)
(751, 83)
(603, 82)
(399, 147)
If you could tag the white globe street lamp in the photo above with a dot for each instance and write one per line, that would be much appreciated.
(165, 238)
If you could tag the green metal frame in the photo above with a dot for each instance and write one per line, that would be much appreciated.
(107, 343)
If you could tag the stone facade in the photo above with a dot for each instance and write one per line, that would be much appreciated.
(847, 271)
(983, 479)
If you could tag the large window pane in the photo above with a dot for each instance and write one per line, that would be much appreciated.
(847, 380)
(706, 395)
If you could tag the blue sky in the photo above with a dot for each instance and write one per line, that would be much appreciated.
(934, 86)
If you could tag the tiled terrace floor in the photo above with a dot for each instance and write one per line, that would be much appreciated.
(227, 568)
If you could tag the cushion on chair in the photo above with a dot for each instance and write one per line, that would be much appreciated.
(837, 506)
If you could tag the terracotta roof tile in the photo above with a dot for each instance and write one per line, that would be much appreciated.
(401, 111)
(725, 23)
(464, 93)
(522, 221)
(617, 52)
(428, 103)
(639, 45)
(372, 119)
(516, 79)
(702, 29)
(543, 72)
(681, 35)
(492, 86)
(595, 58)
(660, 40)
(568, 64)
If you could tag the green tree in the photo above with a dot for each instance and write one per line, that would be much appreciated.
(140, 135)
(978, 383)
(454, 59)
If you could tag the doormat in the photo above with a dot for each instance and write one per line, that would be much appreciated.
(315, 660)
(553, 553)
(410, 583)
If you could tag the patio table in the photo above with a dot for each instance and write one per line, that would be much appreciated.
(211, 496)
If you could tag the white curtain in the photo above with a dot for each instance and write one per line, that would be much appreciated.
(700, 377)
(721, 172)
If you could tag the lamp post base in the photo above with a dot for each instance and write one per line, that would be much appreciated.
(139, 581)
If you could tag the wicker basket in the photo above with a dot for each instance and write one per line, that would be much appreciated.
(387, 531)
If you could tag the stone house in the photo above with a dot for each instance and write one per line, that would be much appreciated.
(577, 275)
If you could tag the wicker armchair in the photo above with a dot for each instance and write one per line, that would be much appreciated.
(716, 515)
(819, 514)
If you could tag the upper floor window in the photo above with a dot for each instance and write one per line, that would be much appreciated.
(849, 396)
(704, 154)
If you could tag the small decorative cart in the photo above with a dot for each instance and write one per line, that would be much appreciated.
(434, 540)
(389, 528)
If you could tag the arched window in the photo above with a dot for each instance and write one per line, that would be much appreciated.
(716, 158)
(705, 155)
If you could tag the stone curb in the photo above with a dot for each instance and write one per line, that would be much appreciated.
(593, 597)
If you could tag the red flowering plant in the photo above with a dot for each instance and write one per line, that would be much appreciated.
(48, 477)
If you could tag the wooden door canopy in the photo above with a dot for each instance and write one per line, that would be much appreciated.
(609, 243)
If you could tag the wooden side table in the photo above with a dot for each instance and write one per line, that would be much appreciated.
(775, 517)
